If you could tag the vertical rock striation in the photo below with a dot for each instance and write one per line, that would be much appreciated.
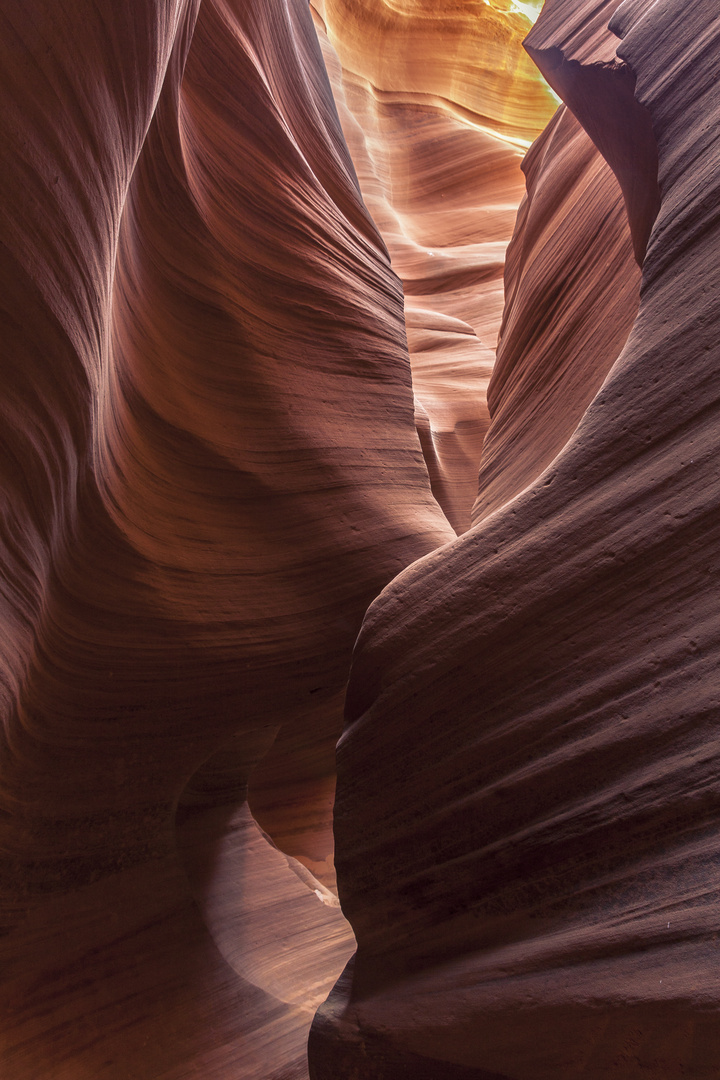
(571, 296)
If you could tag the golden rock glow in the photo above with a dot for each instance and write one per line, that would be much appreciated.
(468, 55)
(438, 105)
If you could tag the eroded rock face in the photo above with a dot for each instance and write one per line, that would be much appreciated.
(464, 55)
(579, 61)
(572, 289)
(209, 469)
(527, 797)
(438, 104)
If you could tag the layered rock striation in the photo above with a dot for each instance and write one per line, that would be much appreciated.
(438, 104)
(526, 814)
(209, 469)
(572, 289)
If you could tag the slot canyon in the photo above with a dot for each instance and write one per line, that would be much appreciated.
(360, 540)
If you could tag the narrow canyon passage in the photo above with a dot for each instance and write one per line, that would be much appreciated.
(526, 810)
(437, 112)
(359, 540)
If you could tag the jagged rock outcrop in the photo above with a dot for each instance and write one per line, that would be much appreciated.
(209, 469)
(527, 801)
(579, 61)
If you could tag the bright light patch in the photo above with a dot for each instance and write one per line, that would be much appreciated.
(529, 8)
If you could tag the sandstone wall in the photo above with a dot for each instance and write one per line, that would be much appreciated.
(209, 469)
(438, 104)
(527, 789)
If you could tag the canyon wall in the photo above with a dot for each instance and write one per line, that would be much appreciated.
(438, 104)
(223, 224)
(527, 800)
(209, 469)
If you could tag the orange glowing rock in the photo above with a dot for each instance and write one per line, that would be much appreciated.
(437, 107)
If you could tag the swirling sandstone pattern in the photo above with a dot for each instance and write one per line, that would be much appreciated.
(527, 796)
(564, 322)
(209, 469)
(437, 104)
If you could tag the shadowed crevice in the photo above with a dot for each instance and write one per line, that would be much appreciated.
(602, 97)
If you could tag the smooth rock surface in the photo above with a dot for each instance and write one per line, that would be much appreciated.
(527, 798)
(211, 466)
(209, 469)
(572, 289)
(438, 104)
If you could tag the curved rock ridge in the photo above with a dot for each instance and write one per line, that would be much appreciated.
(527, 801)
(209, 469)
(577, 57)
(571, 296)
(466, 55)
(438, 166)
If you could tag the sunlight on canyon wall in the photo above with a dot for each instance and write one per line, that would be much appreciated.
(359, 540)
(438, 107)
(527, 799)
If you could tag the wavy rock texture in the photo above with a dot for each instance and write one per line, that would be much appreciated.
(578, 60)
(437, 105)
(571, 296)
(209, 469)
(527, 797)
